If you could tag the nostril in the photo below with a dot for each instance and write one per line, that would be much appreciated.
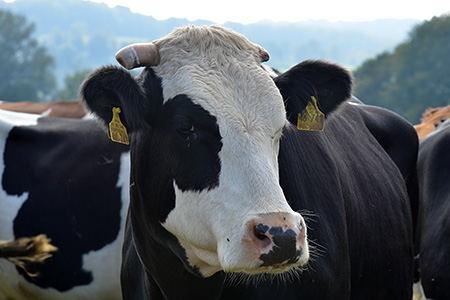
(260, 232)
(277, 240)
(260, 235)
(261, 229)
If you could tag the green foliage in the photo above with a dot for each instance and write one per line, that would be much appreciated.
(414, 76)
(72, 83)
(26, 68)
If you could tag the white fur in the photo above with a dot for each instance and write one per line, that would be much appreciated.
(221, 71)
(10, 204)
(269, 71)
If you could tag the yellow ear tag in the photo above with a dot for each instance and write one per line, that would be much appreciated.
(117, 132)
(311, 118)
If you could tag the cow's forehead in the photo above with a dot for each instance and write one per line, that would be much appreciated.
(220, 70)
(212, 45)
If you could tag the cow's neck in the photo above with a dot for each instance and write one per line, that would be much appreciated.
(160, 253)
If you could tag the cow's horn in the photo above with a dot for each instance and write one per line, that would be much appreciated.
(138, 55)
(263, 53)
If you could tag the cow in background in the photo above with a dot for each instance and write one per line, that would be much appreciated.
(434, 212)
(224, 159)
(63, 178)
(64, 109)
(432, 118)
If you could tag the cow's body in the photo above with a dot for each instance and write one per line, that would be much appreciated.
(206, 168)
(434, 214)
(62, 177)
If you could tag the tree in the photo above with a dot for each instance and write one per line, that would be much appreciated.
(25, 68)
(72, 83)
(415, 76)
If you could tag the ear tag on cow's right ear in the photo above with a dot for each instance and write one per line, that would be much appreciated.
(311, 118)
(117, 131)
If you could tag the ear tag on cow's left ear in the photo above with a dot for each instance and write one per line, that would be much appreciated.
(117, 132)
(311, 118)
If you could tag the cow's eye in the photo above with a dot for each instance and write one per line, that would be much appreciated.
(186, 128)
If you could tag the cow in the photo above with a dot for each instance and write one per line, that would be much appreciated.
(244, 186)
(63, 178)
(64, 109)
(434, 212)
(432, 118)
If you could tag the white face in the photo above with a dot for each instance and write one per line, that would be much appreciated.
(227, 227)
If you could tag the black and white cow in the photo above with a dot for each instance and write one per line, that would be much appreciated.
(66, 179)
(220, 175)
(434, 213)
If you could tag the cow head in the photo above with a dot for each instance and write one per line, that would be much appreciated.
(205, 121)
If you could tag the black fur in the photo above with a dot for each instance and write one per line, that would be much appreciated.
(434, 226)
(329, 83)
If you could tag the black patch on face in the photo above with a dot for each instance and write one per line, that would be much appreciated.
(70, 170)
(193, 142)
(284, 249)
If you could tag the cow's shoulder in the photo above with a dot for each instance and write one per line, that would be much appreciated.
(395, 134)
(399, 139)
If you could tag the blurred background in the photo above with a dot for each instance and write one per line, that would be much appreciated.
(399, 52)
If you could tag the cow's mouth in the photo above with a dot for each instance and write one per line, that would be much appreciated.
(288, 265)
(275, 273)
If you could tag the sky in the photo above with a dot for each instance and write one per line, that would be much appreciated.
(250, 11)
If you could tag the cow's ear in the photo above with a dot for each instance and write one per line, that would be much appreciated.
(112, 87)
(328, 83)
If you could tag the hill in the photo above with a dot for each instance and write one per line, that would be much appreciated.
(83, 35)
(412, 77)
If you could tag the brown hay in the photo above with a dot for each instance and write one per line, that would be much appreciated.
(23, 251)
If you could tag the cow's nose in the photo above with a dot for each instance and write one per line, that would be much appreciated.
(277, 239)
